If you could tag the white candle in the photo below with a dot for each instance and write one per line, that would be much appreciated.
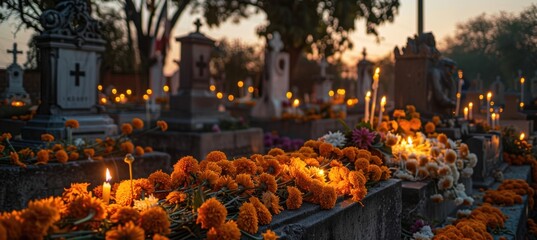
(470, 109)
(522, 80)
(296, 103)
(107, 187)
(459, 90)
(493, 120)
(375, 86)
(489, 97)
(498, 119)
(466, 113)
(381, 110)
(367, 100)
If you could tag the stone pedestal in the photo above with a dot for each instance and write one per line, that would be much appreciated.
(378, 218)
(91, 126)
(304, 130)
(20, 185)
(488, 148)
(416, 201)
(233, 143)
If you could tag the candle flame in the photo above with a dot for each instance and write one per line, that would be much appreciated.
(129, 92)
(383, 101)
(522, 80)
(296, 103)
(409, 139)
(489, 96)
(146, 97)
(289, 95)
(108, 176)
(377, 71)
(471, 104)
(460, 74)
(522, 136)
(466, 109)
(368, 94)
(321, 172)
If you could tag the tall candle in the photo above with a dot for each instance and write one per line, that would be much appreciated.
(498, 119)
(367, 100)
(470, 109)
(147, 113)
(107, 187)
(466, 113)
(375, 87)
(493, 120)
(459, 90)
(381, 109)
(522, 80)
(489, 97)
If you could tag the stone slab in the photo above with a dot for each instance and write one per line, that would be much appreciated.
(304, 130)
(416, 201)
(198, 144)
(488, 149)
(378, 218)
(20, 185)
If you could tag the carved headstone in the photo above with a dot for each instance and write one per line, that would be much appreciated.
(70, 54)
(15, 91)
(275, 82)
(498, 92)
(424, 77)
(365, 70)
(323, 83)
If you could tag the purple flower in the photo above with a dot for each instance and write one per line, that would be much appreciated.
(362, 137)
(416, 227)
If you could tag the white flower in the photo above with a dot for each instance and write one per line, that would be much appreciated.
(404, 176)
(425, 233)
(460, 187)
(79, 142)
(467, 172)
(337, 139)
(464, 213)
(472, 160)
(437, 198)
(469, 201)
(459, 163)
(145, 203)
(459, 201)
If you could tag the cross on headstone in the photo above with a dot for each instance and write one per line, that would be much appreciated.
(77, 73)
(15, 52)
(276, 42)
(198, 25)
(201, 65)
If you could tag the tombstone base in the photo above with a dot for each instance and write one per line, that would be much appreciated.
(21, 185)
(304, 130)
(199, 144)
(91, 126)
(267, 109)
(416, 201)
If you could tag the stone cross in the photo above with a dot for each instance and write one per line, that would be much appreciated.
(323, 64)
(276, 42)
(15, 52)
(201, 64)
(77, 74)
(198, 25)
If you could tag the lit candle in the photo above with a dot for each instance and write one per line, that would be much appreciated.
(147, 113)
(466, 113)
(375, 87)
(498, 119)
(489, 97)
(493, 120)
(522, 136)
(470, 109)
(296, 103)
(459, 89)
(522, 80)
(107, 187)
(367, 100)
(381, 110)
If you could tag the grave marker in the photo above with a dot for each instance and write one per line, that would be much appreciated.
(15, 90)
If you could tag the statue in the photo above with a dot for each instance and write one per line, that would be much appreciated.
(443, 87)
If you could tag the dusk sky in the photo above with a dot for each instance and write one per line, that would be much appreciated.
(440, 17)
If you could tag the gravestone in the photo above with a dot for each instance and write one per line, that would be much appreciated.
(533, 86)
(70, 54)
(513, 116)
(323, 83)
(15, 91)
(365, 70)
(498, 92)
(424, 77)
(488, 149)
(275, 81)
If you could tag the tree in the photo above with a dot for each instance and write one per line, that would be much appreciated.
(497, 45)
(317, 26)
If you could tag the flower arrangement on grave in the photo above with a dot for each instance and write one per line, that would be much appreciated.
(62, 151)
(510, 192)
(516, 149)
(273, 140)
(215, 198)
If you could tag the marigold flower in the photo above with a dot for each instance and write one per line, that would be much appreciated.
(227, 182)
(186, 165)
(375, 173)
(399, 113)
(272, 202)
(83, 205)
(445, 183)
(443, 171)
(213, 166)
(272, 166)
(361, 164)
(451, 156)
(73, 156)
(40, 216)
(161, 181)
(357, 179)
(415, 124)
(436, 120)
(245, 182)
(176, 197)
(43, 156)
(350, 153)
(160, 237)
(276, 152)
(212, 213)
(226, 231)
(155, 221)
(208, 176)
(263, 214)
(358, 194)
(375, 160)
(76, 190)
(294, 198)
(404, 125)
(125, 197)
(463, 150)
(442, 138)
(302, 179)
(125, 215)
(386, 173)
(430, 127)
(127, 147)
(227, 167)
(126, 128)
(61, 156)
(270, 235)
(244, 165)
(128, 231)
(137, 123)
(162, 125)
(89, 152)
(148, 149)
(15, 159)
(267, 182)
(215, 156)
(5, 136)
(47, 137)
(247, 220)
(72, 123)
(139, 151)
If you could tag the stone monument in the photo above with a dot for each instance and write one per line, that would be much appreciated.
(498, 92)
(424, 77)
(365, 71)
(70, 54)
(275, 82)
(15, 91)
(323, 83)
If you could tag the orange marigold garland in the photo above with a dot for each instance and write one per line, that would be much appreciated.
(212, 213)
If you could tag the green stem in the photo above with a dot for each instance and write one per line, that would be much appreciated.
(87, 218)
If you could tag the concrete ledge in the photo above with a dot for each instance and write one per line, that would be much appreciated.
(304, 130)
(199, 144)
(20, 185)
(379, 218)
